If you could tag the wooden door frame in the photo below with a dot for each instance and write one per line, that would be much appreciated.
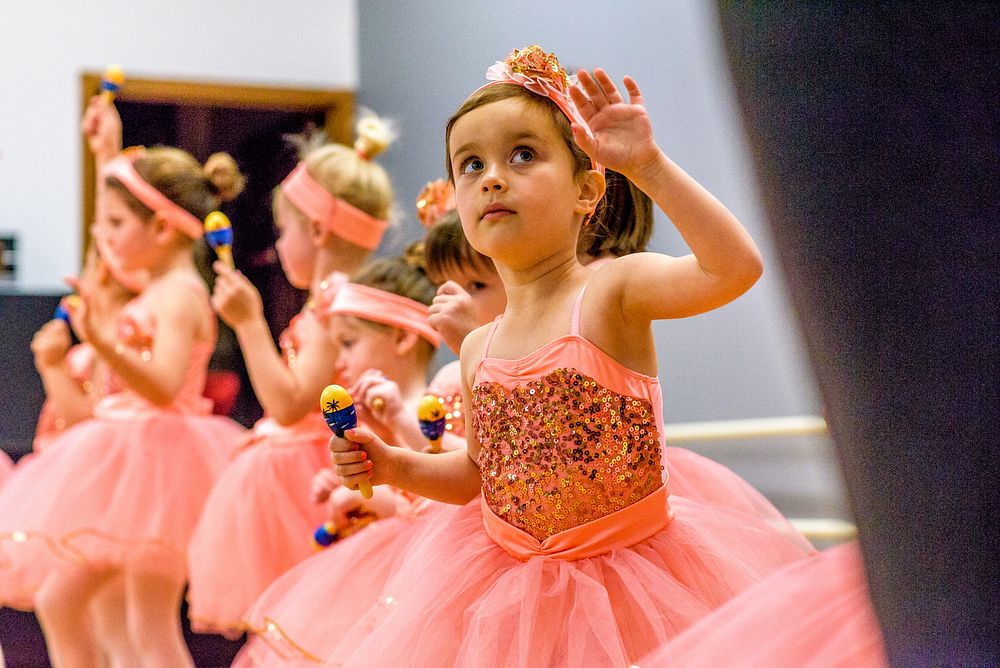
(337, 106)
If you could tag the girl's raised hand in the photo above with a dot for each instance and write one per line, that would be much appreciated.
(622, 133)
(360, 456)
(323, 483)
(235, 298)
(102, 127)
(452, 314)
(50, 344)
(379, 396)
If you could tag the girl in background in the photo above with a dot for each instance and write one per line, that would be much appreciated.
(331, 213)
(385, 346)
(117, 496)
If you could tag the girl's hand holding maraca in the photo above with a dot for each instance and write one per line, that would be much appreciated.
(102, 128)
(235, 298)
(360, 458)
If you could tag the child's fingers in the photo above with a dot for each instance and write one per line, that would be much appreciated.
(609, 91)
(634, 96)
(590, 90)
(449, 288)
(346, 471)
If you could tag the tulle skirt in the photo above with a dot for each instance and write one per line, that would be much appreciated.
(460, 599)
(118, 493)
(257, 523)
(305, 613)
(702, 479)
(812, 614)
(293, 620)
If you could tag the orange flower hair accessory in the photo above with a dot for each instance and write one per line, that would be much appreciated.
(538, 71)
(436, 199)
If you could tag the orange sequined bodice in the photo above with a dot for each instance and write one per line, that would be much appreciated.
(567, 434)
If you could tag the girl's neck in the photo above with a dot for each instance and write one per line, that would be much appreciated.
(340, 259)
(535, 289)
(180, 260)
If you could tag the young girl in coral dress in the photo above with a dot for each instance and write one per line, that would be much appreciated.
(117, 497)
(574, 555)
(385, 343)
(331, 213)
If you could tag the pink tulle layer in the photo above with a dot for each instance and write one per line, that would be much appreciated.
(292, 619)
(812, 614)
(257, 523)
(110, 493)
(459, 599)
(293, 622)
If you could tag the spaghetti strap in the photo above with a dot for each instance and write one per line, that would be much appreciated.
(489, 336)
(574, 323)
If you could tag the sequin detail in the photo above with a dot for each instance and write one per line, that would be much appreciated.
(562, 450)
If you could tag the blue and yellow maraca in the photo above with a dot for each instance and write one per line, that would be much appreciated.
(62, 312)
(340, 415)
(431, 415)
(219, 235)
(111, 83)
(325, 535)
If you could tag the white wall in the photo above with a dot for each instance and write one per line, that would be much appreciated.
(47, 45)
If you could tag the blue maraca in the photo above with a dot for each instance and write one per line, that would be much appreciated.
(325, 535)
(61, 312)
(430, 415)
(340, 415)
(219, 235)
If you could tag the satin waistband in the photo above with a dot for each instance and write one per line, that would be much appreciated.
(622, 528)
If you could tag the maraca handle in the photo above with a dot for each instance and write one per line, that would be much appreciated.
(365, 488)
(225, 254)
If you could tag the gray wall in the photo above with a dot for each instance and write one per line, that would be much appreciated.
(418, 61)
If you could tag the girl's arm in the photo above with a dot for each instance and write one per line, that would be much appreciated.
(450, 477)
(287, 393)
(159, 375)
(725, 262)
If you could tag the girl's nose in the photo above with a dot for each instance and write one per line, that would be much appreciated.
(493, 180)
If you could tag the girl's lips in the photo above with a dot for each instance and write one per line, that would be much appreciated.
(496, 211)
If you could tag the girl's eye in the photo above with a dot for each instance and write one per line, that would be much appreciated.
(346, 343)
(523, 155)
(471, 165)
(476, 286)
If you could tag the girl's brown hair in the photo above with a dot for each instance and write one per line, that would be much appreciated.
(184, 181)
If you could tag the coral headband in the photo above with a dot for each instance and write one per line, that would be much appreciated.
(172, 214)
(336, 215)
(385, 307)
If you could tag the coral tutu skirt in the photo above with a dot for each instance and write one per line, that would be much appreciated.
(812, 614)
(257, 523)
(122, 491)
(473, 590)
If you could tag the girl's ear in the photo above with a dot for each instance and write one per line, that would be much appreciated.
(162, 231)
(404, 341)
(319, 234)
(592, 187)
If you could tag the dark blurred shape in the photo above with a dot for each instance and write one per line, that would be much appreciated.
(875, 134)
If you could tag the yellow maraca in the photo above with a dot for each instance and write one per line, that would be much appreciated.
(219, 235)
(111, 83)
(340, 415)
(430, 414)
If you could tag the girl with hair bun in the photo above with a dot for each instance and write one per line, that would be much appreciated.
(99, 521)
(331, 212)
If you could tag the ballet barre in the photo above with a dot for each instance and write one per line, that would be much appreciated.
(721, 430)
